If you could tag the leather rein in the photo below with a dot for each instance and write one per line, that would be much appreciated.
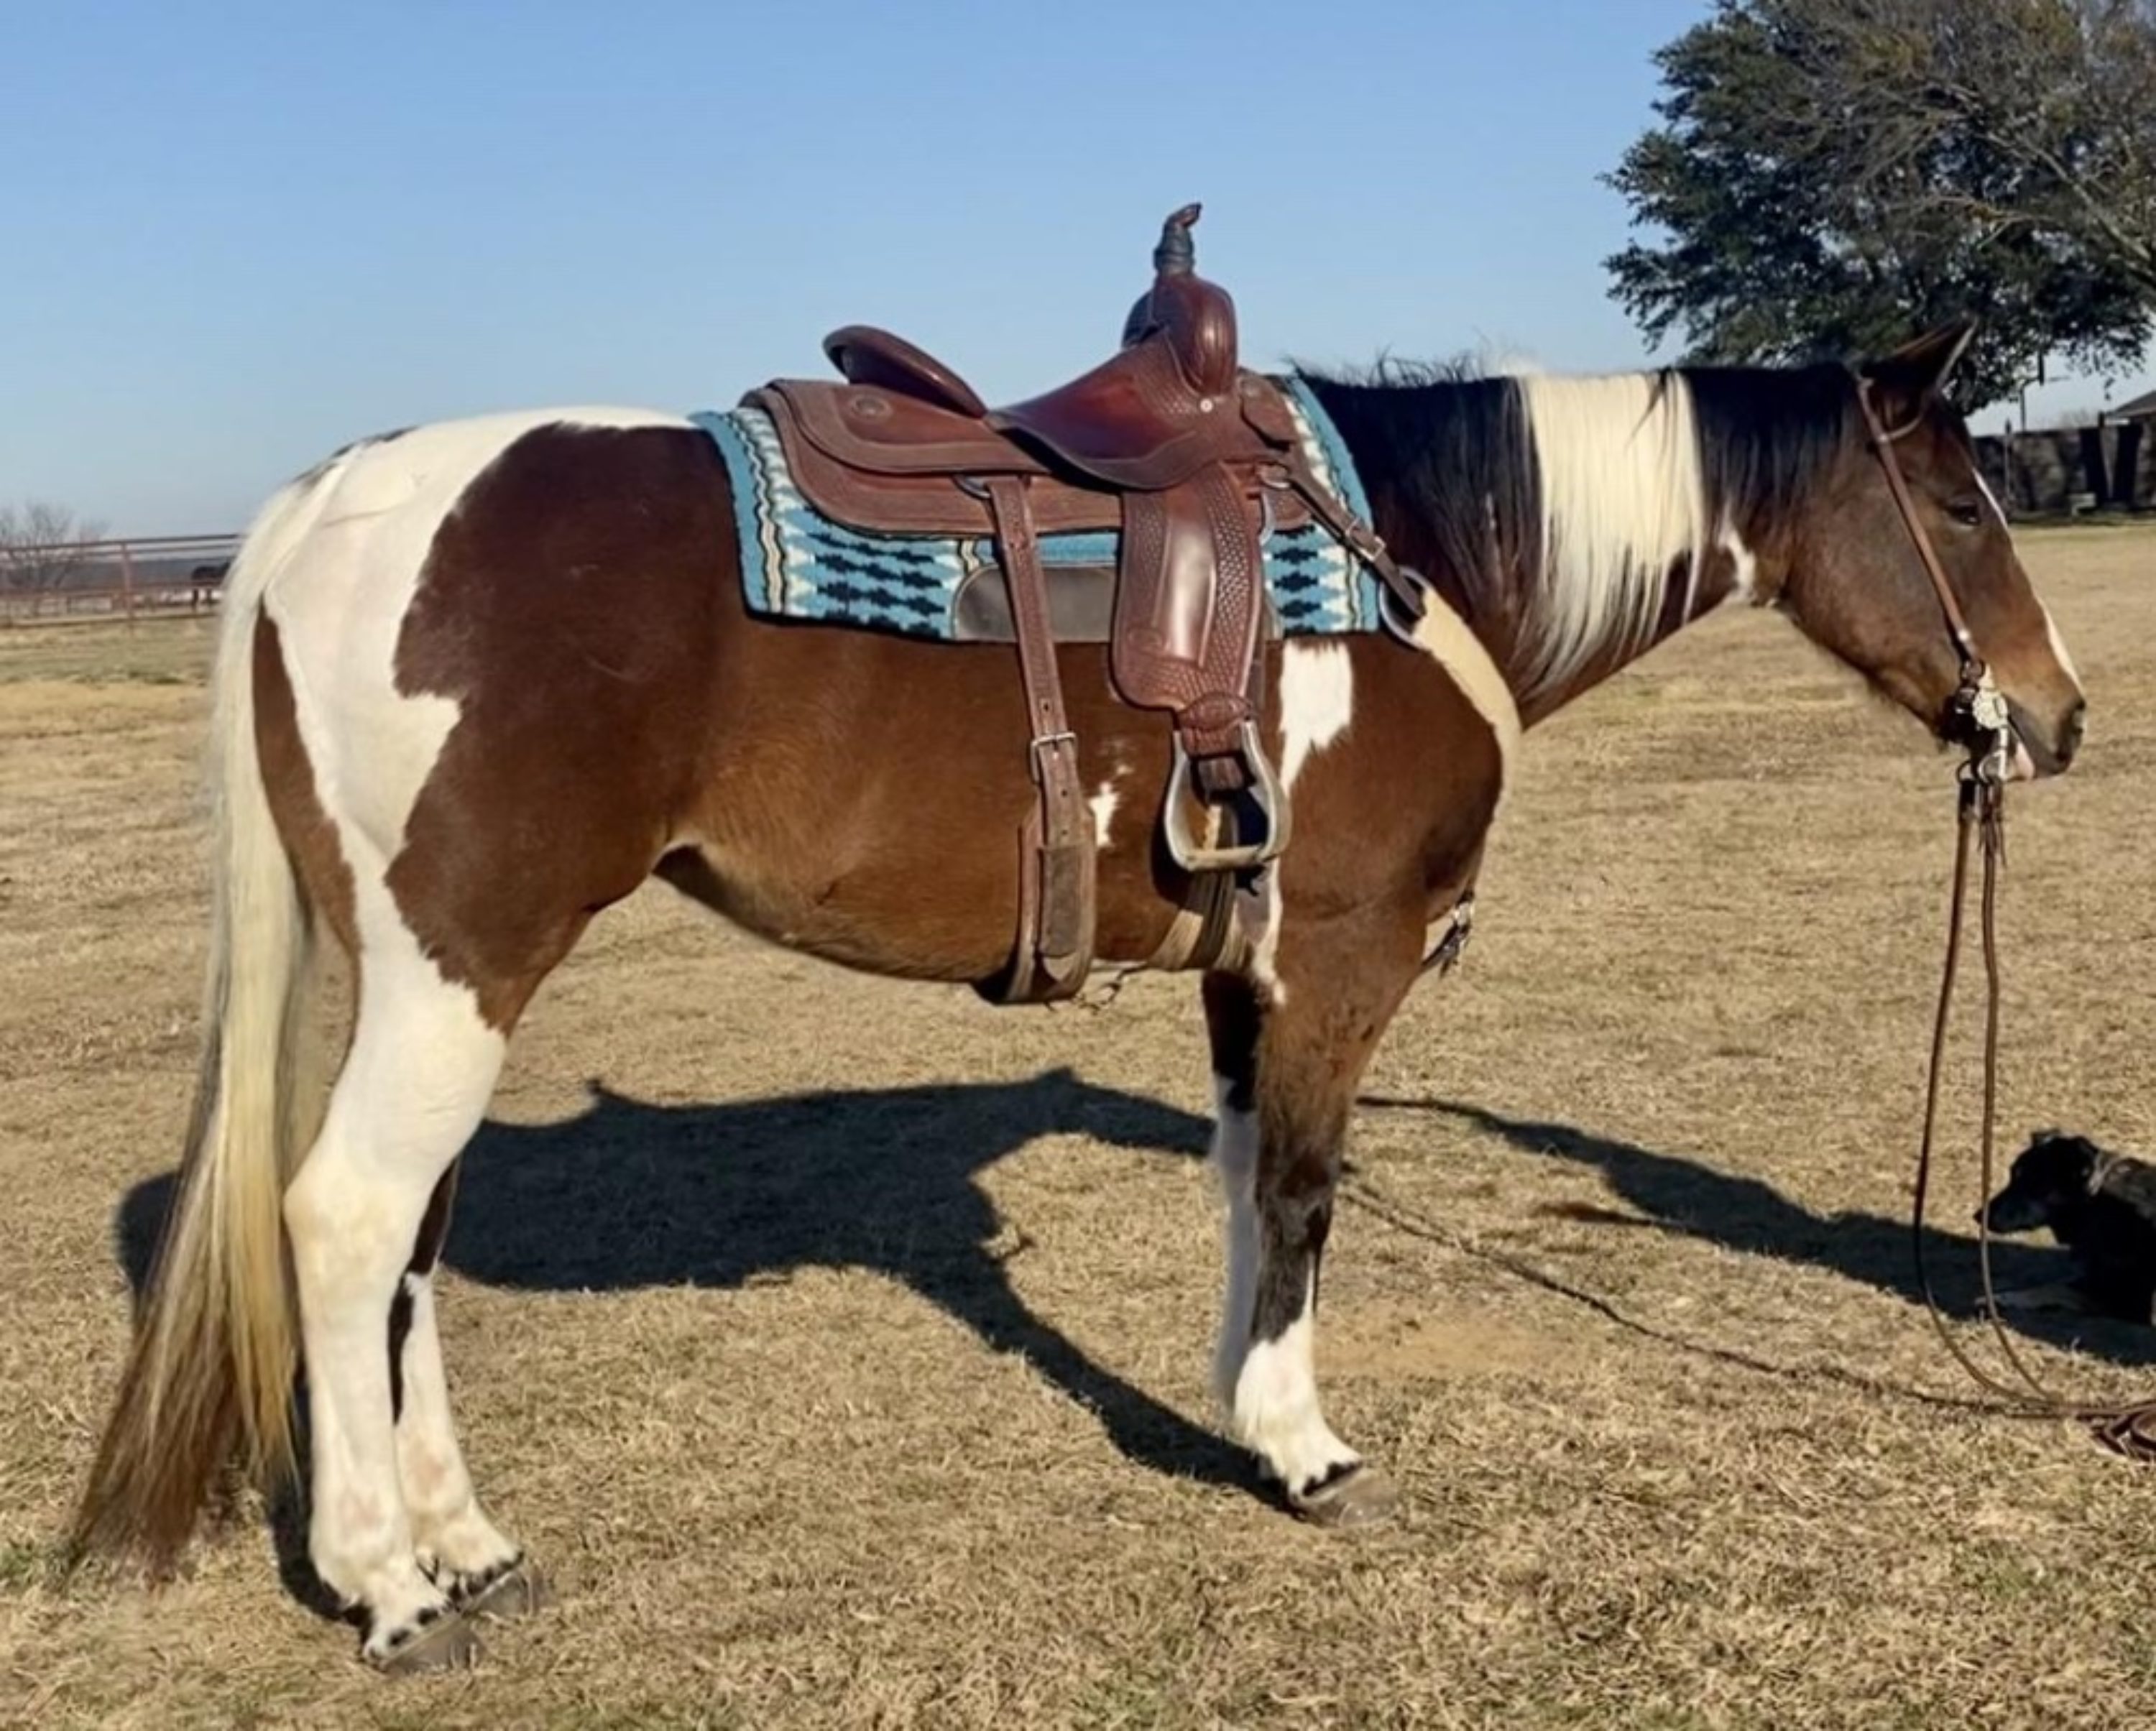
(1980, 709)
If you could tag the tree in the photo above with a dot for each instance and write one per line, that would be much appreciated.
(1830, 174)
(43, 547)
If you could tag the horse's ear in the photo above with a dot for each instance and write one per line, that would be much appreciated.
(1916, 373)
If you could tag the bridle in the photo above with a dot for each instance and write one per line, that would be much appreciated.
(1978, 704)
(1986, 727)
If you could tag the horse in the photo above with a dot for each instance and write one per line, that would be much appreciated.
(480, 680)
(204, 583)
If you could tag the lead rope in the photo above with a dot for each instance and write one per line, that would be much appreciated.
(2127, 1427)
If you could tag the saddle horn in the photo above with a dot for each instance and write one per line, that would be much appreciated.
(1175, 256)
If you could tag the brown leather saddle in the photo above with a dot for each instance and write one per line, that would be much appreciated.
(1193, 461)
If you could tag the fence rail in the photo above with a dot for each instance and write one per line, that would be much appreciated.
(157, 574)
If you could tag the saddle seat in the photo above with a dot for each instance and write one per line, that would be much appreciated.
(1147, 418)
(1191, 461)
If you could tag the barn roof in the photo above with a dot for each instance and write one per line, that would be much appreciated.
(2141, 408)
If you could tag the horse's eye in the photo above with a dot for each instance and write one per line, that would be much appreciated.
(1967, 512)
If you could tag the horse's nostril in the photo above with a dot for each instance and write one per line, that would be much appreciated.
(2071, 733)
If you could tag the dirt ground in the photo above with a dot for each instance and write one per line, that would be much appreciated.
(839, 1345)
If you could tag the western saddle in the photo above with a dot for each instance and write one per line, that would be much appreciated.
(1192, 461)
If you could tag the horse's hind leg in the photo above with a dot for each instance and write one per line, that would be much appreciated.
(415, 1083)
(458, 1546)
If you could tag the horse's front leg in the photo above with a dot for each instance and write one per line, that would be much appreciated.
(1287, 1062)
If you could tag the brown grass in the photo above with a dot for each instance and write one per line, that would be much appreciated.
(845, 1364)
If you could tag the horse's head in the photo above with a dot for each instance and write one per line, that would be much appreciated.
(1856, 583)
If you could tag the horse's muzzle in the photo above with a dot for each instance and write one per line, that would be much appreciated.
(2041, 750)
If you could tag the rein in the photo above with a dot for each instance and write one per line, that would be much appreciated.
(2129, 1428)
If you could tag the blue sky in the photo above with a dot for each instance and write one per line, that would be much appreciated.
(245, 233)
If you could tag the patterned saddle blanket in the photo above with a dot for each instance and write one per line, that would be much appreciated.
(797, 564)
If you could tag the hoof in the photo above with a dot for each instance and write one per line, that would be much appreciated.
(1356, 1496)
(444, 1641)
(514, 1590)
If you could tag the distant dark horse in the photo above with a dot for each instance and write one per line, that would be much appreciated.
(204, 583)
(478, 681)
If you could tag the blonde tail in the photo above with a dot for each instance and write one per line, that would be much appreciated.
(209, 1378)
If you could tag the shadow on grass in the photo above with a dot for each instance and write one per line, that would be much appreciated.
(1690, 1198)
(629, 1195)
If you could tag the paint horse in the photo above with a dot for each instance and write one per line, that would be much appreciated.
(479, 680)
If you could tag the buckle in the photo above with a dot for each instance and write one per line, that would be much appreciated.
(1045, 743)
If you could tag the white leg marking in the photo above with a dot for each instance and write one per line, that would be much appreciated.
(1316, 702)
(1277, 1409)
(451, 1534)
(422, 1066)
(1235, 1164)
(1269, 1389)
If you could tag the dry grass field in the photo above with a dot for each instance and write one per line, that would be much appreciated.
(840, 1345)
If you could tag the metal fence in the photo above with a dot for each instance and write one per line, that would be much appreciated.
(157, 574)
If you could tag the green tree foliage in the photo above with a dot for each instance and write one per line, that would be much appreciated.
(1829, 175)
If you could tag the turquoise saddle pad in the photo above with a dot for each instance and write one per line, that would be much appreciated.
(797, 564)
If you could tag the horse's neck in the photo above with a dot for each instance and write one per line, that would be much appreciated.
(1504, 610)
(1569, 521)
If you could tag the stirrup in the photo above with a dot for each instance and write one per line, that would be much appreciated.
(1266, 793)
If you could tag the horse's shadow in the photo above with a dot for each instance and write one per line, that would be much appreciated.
(1688, 1197)
(628, 1194)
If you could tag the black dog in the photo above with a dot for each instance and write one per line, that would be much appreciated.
(2101, 1207)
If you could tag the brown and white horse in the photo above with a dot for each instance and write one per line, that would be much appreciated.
(480, 680)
